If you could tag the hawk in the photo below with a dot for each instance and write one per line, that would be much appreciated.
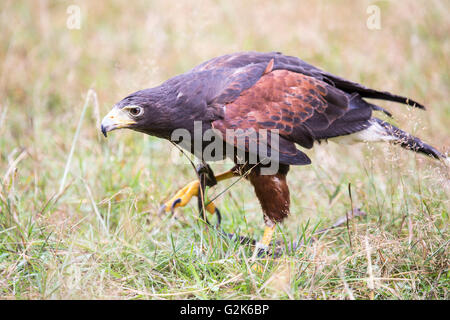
(291, 101)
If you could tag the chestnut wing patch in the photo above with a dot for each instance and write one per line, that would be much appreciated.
(294, 104)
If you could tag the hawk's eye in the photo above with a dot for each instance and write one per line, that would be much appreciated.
(136, 111)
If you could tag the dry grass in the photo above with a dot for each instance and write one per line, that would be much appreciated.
(99, 236)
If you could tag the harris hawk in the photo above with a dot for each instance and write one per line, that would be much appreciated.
(293, 101)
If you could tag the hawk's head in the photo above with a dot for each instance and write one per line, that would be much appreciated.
(140, 111)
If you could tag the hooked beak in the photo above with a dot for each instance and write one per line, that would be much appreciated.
(116, 119)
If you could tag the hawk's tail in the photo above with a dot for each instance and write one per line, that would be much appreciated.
(410, 142)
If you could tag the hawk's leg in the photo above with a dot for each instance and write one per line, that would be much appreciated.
(183, 196)
(207, 179)
(273, 194)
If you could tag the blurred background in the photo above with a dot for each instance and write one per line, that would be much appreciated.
(50, 59)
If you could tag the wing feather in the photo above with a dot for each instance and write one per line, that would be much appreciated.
(294, 64)
(290, 104)
(294, 104)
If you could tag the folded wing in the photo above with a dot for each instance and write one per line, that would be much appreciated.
(296, 107)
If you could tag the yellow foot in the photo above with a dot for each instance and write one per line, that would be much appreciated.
(257, 268)
(262, 248)
(182, 198)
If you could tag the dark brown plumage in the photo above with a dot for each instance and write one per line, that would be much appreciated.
(273, 194)
(252, 90)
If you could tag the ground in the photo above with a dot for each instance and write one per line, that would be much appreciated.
(95, 232)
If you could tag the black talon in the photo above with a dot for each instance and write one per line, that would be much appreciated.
(219, 217)
(262, 252)
(242, 239)
(174, 204)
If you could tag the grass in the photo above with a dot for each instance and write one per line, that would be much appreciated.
(96, 234)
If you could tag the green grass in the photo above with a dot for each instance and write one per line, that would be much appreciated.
(101, 236)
